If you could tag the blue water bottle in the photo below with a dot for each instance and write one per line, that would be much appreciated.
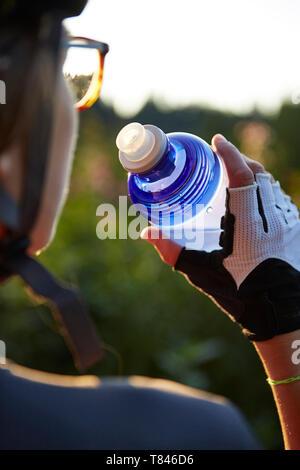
(176, 181)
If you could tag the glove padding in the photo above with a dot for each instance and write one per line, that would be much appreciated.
(255, 277)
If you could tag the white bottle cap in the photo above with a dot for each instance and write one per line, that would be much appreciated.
(140, 147)
(135, 141)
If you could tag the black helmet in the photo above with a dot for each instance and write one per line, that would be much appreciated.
(19, 10)
(68, 309)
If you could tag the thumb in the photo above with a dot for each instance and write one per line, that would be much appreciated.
(238, 171)
(167, 249)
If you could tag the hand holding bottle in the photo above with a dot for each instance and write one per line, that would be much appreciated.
(255, 277)
(240, 171)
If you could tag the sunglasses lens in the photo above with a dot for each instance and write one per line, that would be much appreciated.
(82, 69)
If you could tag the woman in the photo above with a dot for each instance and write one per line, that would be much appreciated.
(42, 411)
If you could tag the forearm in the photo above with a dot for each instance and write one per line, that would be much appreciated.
(280, 362)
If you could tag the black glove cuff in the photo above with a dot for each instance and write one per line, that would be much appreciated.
(270, 296)
(266, 304)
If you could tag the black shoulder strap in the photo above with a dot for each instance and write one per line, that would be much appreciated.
(68, 309)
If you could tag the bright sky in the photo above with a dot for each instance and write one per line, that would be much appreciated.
(229, 54)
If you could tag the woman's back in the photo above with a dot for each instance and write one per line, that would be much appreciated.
(47, 411)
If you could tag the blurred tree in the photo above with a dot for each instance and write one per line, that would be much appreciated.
(79, 83)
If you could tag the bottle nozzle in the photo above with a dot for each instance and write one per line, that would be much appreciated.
(135, 141)
(140, 147)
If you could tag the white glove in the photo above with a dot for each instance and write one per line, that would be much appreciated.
(267, 225)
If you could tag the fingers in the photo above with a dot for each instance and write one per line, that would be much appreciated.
(236, 163)
(257, 167)
(167, 249)
(239, 173)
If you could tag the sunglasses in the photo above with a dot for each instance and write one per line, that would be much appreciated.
(83, 69)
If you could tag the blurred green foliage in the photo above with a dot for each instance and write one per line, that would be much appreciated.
(152, 321)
